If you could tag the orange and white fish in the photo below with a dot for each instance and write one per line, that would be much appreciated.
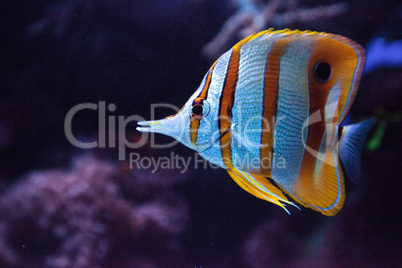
(269, 111)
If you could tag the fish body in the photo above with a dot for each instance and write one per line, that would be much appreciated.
(269, 112)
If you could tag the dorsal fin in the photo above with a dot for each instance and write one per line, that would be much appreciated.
(271, 31)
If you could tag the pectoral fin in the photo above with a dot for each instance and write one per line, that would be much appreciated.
(260, 187)
(351, 147)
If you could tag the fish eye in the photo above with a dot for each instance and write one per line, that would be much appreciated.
(322, 71)
(197, 110)
(200, 108)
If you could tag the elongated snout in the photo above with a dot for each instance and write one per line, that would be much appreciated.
(171, 126)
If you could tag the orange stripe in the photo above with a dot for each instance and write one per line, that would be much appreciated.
(195, 122)
(318, 93)
(226, 105)
(194, 125)
(310, 188)
(270, 103)
(348, 100)
(227, 99)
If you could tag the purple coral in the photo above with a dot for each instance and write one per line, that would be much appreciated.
(75, 217)
(255, 16)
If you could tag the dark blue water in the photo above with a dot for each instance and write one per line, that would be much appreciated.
(62, 206)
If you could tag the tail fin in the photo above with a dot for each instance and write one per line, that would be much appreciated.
(351, 146)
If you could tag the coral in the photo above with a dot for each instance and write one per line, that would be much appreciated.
(254, 16)
(77, 217)
(266, 244)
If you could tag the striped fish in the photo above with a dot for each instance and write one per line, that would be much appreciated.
(269, 111)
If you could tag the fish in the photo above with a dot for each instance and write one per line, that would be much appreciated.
(270, 111)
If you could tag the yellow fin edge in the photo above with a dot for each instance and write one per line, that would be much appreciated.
(260, 187)
(271, 31)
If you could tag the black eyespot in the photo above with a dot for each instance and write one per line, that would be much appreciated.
(197, 110)
(322, 72)
(200, 108)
